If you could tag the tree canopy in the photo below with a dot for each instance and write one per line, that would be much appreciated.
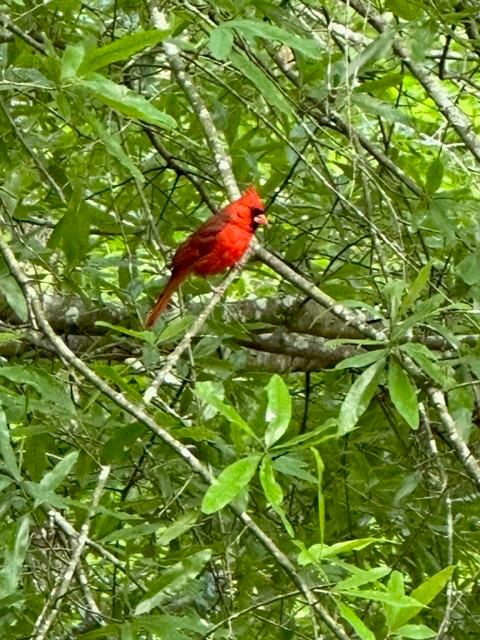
(292, 452)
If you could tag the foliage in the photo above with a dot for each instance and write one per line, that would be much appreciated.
(359, 130)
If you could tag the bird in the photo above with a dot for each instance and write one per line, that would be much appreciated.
(218, 244)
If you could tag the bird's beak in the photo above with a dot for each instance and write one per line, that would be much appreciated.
(260, 218)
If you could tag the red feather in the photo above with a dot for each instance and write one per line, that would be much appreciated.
(216, 245)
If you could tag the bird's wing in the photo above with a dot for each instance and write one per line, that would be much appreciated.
(199, 244)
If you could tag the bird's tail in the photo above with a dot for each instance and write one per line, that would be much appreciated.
(161, 304)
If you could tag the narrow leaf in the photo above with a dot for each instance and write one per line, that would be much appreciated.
(469, 268)
(6, 449)
(361, 577)
(373, 51)
(184, 523)
(432, 586)
(120, 49)
(320, 497)
(403, 393)
(57, 475)
(427, 361)
(273, 492)
(125, 101)
(14, 559)
(14, 296)
(113, 146)
(415, 632)
(221, 42)
(434, 176)
(375, 107)
(361, 360)
(318, 552)
(72, 233)
(271, 488)
(229, 412)
(229, 483)
(279, 410)
(357, 625)
(262, 82)
(416, 288)
(307, 46)
(172, 580)
(71, 60)
(359, 396)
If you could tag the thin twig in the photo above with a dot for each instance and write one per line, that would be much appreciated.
(52, 606)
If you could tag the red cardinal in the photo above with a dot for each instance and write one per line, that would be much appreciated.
(216, 245)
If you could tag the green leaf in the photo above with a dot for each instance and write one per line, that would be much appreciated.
(361, 359)
(393, 290)
(375, 107)
(72, 234)
(113, 146)
(469, 268)
(271, 488)
(279, 410)
(361, 577)
(434, 176)
(125, 101)
(359, 396)
(71, 60)
(415, 288)
(388, 599)
(42, 495)
(373, 51)
(415, 632)
(50, 388)
(354, 621)
(134, 532)
(382, 83)
(403, 393)
(6, 449)
(320, 497)
(120, 49)
(258, 28)
(312, 438)
(423, 595)
(269, 90)
(221, 42)
(406, 9)
(273, 492)
(172, 580)
(175, 327)
(440, 217)
(14, 296)
(169, 627)
(318, 552)
(141, 336)
(294, 466)
(205, 393)
(14, 558)
(230, 483)
(60, 471)
(424, 311)
(183, 524)
(427, 361)
(433, 585)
